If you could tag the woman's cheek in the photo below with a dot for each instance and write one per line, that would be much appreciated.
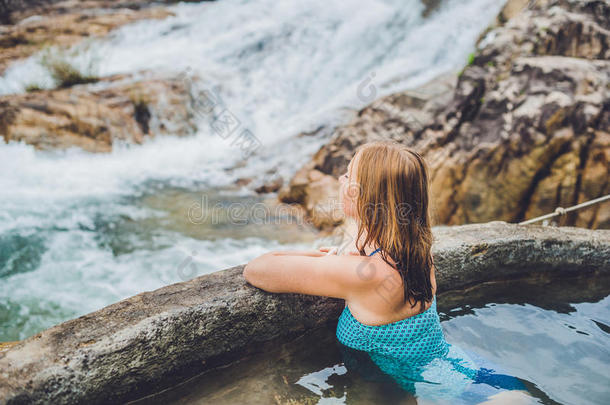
(347, 202)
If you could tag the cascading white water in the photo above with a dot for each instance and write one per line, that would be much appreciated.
(80, 231)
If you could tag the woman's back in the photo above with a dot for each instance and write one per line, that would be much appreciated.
(383, 302)
(417, 338)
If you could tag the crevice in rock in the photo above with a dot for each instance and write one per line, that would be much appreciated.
(141, 114)
(597, 207)
(583, 157)
(540, 175)
(7, 116)
(454, 197)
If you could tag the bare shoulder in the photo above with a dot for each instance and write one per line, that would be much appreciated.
(360, 269)
(382, 301)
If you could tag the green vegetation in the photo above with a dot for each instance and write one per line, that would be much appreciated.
(471, 59)
(66, 74)
(63, 70)
(33, 87)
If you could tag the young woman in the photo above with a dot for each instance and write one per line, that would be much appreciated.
(387, 278)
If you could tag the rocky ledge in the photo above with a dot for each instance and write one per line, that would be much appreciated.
(93, 117)
(155, 339)
(525, 127)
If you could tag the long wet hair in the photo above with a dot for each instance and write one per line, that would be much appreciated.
(392, 207)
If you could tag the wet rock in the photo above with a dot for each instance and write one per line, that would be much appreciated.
(270, 186)
(64, 24)
(155, 339)
(523, 130)
(318, 193)
(243, 181)
(94, 117)
(4, 346)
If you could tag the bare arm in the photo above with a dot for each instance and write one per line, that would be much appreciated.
(326, 275)
(313, 253)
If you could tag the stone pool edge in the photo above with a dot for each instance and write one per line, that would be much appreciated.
(155, 339)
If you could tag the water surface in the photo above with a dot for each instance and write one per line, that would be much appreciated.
(552, 335)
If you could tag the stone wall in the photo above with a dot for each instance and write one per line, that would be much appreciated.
(155, 339)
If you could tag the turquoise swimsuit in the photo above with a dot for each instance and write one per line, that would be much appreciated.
(417, 338)
(414, 352)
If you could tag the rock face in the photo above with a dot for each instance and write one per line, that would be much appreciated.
(153, 340)
(526, 130)
(93, 119)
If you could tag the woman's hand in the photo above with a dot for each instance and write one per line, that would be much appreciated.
(333, 250)
(330, 250)
(313, 253)
(323, 251)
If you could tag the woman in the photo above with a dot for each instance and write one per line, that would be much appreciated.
(387, 278)
(388, 195)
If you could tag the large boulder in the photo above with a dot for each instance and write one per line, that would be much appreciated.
(526, 129)
(94, 118)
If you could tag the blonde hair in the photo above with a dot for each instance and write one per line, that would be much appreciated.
(392, 207)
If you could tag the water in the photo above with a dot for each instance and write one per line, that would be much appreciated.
(549, 335)
(79, 231)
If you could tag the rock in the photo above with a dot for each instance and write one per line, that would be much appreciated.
(270, 182)
(4, 346)
(527, 146)
(65, 23)
(243, 181)
(93, 119)
(289, 213)
(271, 186)
(525, 130)
(318, 193)
(511, 9)
(156, 339)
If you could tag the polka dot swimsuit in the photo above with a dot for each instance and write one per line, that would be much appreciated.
(417, 338)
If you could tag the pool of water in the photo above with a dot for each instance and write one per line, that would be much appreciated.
(549, 336)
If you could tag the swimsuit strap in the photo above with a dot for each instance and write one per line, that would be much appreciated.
(376, 250)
